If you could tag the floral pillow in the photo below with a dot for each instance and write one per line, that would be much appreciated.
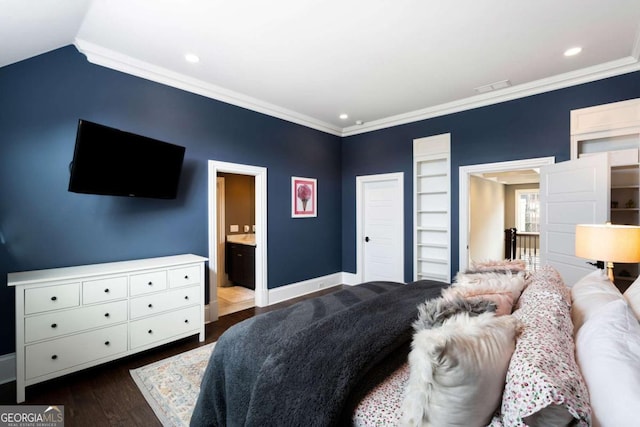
(544, 385)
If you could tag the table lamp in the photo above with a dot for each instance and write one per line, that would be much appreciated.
(609, 243)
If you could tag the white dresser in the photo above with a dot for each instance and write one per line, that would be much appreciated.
(72, 318)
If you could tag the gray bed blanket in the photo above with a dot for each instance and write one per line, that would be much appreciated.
(297, 366)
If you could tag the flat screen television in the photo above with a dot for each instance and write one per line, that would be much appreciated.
(112, 162)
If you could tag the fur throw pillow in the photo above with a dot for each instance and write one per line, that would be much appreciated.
(492, 282)
(503, 300)
(458, 370)
(432, 313)
(498, 266)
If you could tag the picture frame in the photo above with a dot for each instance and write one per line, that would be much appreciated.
(304, 197)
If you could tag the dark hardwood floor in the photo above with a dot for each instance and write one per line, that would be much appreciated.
(106, 395)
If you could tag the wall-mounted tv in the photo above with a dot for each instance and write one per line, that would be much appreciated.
(112, 162)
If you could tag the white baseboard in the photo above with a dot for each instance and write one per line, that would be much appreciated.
(351, 279)
(7, 368)
(305, 287)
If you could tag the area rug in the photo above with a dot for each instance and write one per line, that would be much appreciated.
(171, 385)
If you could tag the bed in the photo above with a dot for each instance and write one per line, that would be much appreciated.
(384, 353)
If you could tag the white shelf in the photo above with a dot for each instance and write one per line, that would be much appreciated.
(432, 276)
(433, 245)
(436, 229)
(432, 208)
(434, 260)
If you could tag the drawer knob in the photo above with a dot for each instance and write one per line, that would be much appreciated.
(54, 298)
(150, 283)
(106, 315)
(150, 306)
(106, 291)
(186, 320)
(186, 297)
(186, 276)
(54, 325)
(149, 331)
(54, 357)
(107, 343)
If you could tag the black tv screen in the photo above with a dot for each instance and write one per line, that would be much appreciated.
(112, 162)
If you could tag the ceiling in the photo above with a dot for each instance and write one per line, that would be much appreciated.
(308, 61)
(513, 177)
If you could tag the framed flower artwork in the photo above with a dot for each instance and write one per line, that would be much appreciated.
(304, 197)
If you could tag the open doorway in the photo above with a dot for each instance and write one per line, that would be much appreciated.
(236, 242)
(237, 213)
(495, 197)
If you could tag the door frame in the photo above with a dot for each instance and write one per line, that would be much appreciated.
(398, 177)
(220, 226)
(260, 176)
(464, 176)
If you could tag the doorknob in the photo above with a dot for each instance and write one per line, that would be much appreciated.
(366, 239)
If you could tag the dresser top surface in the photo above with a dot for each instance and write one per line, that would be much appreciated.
(119, 267)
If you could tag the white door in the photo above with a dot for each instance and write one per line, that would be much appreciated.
(381, 231)
(486, 225)
(573, 192)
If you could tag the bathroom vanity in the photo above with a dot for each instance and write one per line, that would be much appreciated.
(241, 260)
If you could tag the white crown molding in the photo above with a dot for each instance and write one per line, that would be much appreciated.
(635, 51)
(586, 75)
(126, 64)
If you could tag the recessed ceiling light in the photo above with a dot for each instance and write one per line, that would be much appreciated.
(573, 51)
(192, 57)
(344, 116)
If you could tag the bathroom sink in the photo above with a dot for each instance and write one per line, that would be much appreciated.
(243, 239)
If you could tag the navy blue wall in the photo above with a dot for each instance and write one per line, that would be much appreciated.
(45, 226)
(536, 126)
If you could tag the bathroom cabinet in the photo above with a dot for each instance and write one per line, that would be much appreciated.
(240, 264)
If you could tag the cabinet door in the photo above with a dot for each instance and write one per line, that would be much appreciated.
(250, 267)
(236, 264)
(571, 193)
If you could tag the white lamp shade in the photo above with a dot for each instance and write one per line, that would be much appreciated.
(608, 242)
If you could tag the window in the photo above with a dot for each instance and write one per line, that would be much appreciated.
(528, 211)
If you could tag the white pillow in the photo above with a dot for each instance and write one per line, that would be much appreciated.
(632, 295)
(608, 352)
(458, 371)
(589, 295)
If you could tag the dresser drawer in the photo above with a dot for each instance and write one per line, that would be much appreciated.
(51, 356)
(157, 328)
(148, 282)
(184, 276)
(37, 300)
(157, 303)
(50, 325)
(102, 290)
